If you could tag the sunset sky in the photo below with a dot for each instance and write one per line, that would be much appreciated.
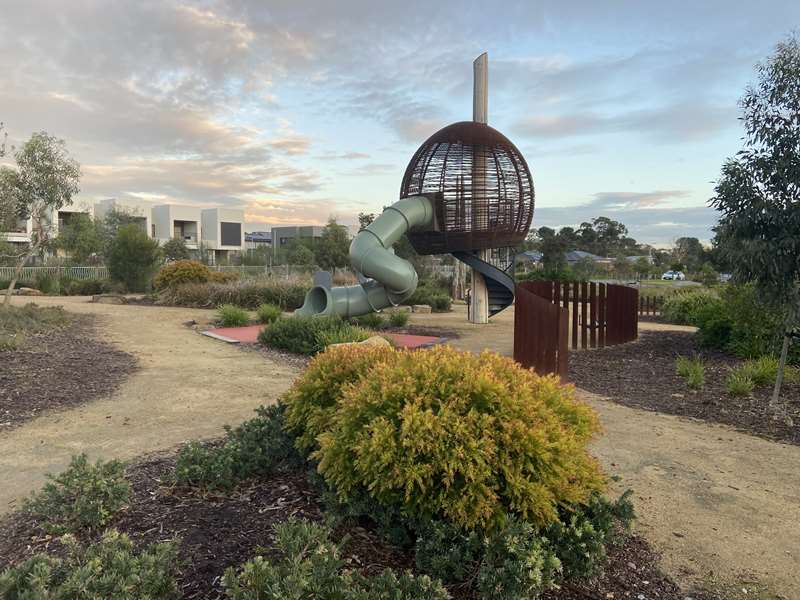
(298, 111)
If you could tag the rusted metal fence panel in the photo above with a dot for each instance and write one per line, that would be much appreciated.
(540, 329)
(601, 315)
(584, 314)
(575, 310)
(650, 305)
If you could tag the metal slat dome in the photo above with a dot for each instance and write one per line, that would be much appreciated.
(481, 185)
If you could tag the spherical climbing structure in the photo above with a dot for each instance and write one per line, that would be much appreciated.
(481, 186)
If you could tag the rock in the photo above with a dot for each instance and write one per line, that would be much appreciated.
(421, 308)
(26, 291)
(396, 309)
(109, 299)
(375, 340)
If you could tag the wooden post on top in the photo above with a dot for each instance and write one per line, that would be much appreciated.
(479, 294)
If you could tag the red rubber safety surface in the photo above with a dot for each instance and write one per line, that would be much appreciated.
(249, 335)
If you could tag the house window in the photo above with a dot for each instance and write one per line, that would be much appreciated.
(231, 234)
(152, 230)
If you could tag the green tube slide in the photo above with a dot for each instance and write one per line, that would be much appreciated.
(392, 279)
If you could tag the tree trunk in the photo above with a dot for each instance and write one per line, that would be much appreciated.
(18, 272)
(781, 366)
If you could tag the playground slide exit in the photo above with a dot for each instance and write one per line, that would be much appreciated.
(391, 278)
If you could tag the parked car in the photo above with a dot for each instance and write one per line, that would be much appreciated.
(673, 276)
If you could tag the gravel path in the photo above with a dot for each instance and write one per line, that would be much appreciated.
(187, 386)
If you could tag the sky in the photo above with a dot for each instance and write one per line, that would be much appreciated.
(300, 111)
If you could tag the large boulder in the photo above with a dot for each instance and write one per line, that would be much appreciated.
(421, 308)
(26, 291)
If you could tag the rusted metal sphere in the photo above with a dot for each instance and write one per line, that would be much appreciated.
(481, 185)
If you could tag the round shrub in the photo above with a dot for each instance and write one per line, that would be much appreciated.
(222, 277)
(684, 308)
(268, 313)
(229, 315)
(181, 271)
(311, 401)
(467, 438)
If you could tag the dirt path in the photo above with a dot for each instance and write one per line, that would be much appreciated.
(187, 386)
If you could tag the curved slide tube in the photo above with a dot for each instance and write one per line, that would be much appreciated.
(393, 279)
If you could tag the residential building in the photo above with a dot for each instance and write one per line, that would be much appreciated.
(223, 232)
(177, 221)
(281, 236)
(140, 212)
(257, 239)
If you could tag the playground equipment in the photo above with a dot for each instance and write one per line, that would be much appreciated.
(467, 191)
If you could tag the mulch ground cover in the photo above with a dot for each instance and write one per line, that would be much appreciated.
(642, 374)
(61, 369)
(220, 531)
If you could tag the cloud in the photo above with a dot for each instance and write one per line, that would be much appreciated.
(651, 217)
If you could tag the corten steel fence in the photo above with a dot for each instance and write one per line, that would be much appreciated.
(540, 331)
(585, 314)
(650, 305)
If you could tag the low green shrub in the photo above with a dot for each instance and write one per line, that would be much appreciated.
(310, 335)
(229, 315)
(110, 568)
(84, 496)
(9, 341)
(311, 567)
(517, 564)
(47, 284)
(268, 313)
(179, 272)
(249, 294)
(437, 298)
(32, 319)
(762, 370)
(371, 320)
(84, 287)
(692, 370)
(466, 438)
(257, 447)
(739, 383)
(223, 276)
(399, 318)
(682, 307)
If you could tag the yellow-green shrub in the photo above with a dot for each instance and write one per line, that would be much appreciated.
(181, 271)
(311, 401)
(463, 437)
(222, 276)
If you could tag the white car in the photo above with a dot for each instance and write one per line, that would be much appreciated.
(673, 276)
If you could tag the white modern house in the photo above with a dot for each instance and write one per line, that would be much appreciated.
(176, 221)
(140, 211)
(223, 231)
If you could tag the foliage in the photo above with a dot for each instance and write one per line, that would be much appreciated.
(132, 258)
(580, 537)
(80, 238)
(268, 313)
(249, 294)
(310, 335)
(223, 276)
(84, 496)
(83, 287)
(298, 253)
(692, 370)
(181, 271)
(462, 437)
(175, 249)
(683, 307)
(311, 567)
(372, 320)
(257, 447)
(707, 275)
(229, 315)
(757, 191)
(110, 568)
(312, 399)
(739, 383)
(46, 283)
(518, 564)
(45, 180)
(9, 342)
(437, 298)
(32, 319)
(761, 370)
(399, 318)
(332, 248)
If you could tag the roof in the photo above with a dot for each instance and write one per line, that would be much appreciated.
(576, 255)
(530, 255)
(258, 236)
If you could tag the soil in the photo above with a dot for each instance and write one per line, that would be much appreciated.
(62, 369)
(217, 532)
(642, 375)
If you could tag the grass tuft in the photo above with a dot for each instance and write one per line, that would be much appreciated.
(692, 370)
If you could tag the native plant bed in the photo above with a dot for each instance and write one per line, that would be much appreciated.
(217, 531)
(443, 474)
(51, 360)
(643, 374)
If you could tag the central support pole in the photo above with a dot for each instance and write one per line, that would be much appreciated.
(479, 294)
